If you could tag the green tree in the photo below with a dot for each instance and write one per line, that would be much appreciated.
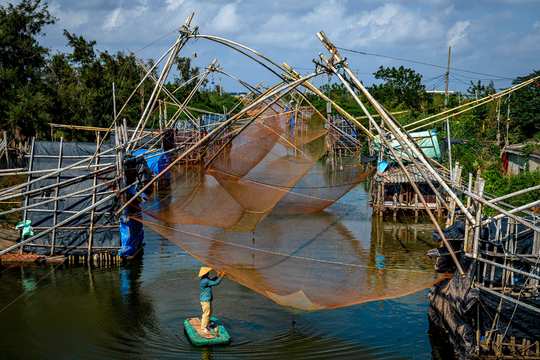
(480, 91)
(402, 86)
(525, 107)
(83, 82)
(23, 65)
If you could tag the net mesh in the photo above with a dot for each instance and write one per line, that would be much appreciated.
(252, 207)
(245, 177)
(310, 262)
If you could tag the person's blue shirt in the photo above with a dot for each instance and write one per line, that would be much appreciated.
(206, 287)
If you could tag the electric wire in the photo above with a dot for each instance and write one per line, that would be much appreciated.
(422, 63)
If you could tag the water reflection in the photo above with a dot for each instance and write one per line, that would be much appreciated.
(137, 310)
(97, 309)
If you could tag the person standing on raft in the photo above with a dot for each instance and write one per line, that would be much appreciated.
(206, 295)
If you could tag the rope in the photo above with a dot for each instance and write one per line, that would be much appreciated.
(289, 256)
(31, 287)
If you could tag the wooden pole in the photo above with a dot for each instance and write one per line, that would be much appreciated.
(53, 173)
(211, 133)
(466, 245)
(56, 193)
(446, 88)
(71, 218)
(479, 186)
(335, 54)
(476, 103)
(91, 234)
(449, 147)
(6, 149)
(26, 198)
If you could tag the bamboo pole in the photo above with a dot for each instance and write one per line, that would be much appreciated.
(2, 171)
(167, 92)
(496, 200)
(73, 166)
(504, 213)
(20, 244)
(182, 40)
(506, 267)
(193, 91)
(334, 105)
(492, 98)
(197, 144)
(125, 104)
(49, 170)
(232, 45)
(69, 167)
(382, 137)
(388, 121)
(65, 182)
(478, 102)
(56, 193)
(91, 234)
(6, 148)
(297, 75)
(467, 222)
(261, 97)
(26, 198)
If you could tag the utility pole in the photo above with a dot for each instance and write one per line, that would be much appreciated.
(448, 119)
(220, 86)
(114, 101)
(447, 75)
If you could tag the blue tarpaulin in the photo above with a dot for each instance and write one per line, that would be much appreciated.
(156, 161)
(381, 166)
(132, 235)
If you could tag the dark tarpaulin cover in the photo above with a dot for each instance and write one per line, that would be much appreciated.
(78, 233)
(453, 302)
(364, 159)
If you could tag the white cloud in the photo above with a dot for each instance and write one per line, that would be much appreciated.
(536, 25)
(70, 19)
(111, 19)
(380, 16)
(458, 33)
(393, 24)
(173, 4)
(226, 21)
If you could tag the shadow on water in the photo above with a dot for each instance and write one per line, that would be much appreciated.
(137, 311)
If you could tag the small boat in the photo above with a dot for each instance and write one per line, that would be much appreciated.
(217, 336)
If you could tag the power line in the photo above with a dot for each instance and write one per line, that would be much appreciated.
(422, 63)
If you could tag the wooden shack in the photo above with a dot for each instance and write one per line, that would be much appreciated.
(392, 192)
(515, 160)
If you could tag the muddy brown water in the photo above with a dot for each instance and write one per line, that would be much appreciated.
(137, 311)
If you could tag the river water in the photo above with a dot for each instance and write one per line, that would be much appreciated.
(137, 310)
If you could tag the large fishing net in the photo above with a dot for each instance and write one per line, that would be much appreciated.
(252, 207)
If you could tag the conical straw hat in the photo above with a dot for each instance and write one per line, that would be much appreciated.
(204, 270)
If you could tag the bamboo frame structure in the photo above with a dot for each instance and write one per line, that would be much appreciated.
(486, 256)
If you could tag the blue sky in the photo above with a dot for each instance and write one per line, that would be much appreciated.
(492, 40)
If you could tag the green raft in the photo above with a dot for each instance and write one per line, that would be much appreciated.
(218, 335)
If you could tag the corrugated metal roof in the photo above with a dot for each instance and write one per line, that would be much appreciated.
(517, 149)
(396, 176)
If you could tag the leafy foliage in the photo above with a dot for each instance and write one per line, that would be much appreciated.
(525, 107)
(402, 86)
(22, 64)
